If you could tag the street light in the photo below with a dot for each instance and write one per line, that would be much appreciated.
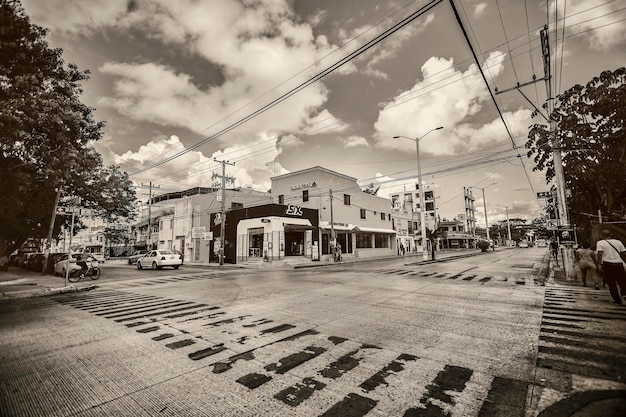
(508, 225)
(421, 189)
(485, 206)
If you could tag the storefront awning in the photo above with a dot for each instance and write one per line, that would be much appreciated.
(374, 230)
(297, 225)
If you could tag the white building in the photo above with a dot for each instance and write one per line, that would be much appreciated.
(361, 222)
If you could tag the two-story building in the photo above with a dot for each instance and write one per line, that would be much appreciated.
(360, 222)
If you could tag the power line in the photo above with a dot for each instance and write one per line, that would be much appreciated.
(379, 38)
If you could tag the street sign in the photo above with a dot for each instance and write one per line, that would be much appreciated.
(544, 194)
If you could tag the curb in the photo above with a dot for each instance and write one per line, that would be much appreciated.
(45, 292)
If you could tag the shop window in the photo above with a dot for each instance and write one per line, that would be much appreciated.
(346, 199)
(382, 241)
(363, 240)
(363, 213)
(281, 199)
(305, 196)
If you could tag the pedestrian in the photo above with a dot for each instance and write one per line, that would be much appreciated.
(586, 259)
(338, 253)
(610, 255)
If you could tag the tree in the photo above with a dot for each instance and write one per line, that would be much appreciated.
(590, 127)
(45, 137)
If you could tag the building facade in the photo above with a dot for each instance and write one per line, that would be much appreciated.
(360, 222)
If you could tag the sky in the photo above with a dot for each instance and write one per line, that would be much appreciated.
(276, 86)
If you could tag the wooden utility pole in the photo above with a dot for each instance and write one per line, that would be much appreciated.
(333, 244)
(50, 231)
(223, 211)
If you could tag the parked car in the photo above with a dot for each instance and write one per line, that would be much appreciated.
(523, 244)
(61, 265)
(157, 259)
(133, 258)
(34, 261)
(541, 243)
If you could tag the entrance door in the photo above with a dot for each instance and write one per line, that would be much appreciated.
(294, 243)
(255, 239)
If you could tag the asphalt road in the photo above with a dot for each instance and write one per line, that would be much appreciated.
(380, 338)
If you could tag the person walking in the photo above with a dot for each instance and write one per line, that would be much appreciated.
(610, 255)
(586, 259)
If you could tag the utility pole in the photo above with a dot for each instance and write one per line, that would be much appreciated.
(556, 142)
(333, 244)
(149, 238)
(223, 211)
(50, 230)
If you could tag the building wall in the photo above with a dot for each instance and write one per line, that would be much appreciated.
(320, 183)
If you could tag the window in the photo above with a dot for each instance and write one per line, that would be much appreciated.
(346, 200)
(381, 240)
(305, 196)
(363, 213)
(382, 216)
(428, 195)
(281, 199)
(363, 240)
(389, 216)
(234, 205)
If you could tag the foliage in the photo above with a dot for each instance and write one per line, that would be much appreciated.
(45, 137)
(590, 128)
(370, 189)
(483, 245)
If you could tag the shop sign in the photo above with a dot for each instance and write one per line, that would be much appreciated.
(218, 218)
(196, 232)
(305, 185)
(293, 210)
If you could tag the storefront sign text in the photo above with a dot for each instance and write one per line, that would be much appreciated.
(305, 185)
(293, 210)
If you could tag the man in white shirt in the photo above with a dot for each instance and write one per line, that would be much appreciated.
(609, 261)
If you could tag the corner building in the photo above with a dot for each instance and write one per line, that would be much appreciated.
(362, 222)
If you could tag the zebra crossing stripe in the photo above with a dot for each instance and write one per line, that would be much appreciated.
(507, 397)
(353, 405)
(452, 378)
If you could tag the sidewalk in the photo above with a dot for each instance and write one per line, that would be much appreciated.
(22, 283)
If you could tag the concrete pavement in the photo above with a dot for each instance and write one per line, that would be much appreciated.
(581, 389)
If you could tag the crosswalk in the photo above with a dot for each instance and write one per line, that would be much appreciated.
(529, 280)
(300, 369)
(574, 337)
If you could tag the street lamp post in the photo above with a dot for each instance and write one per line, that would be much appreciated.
(485, 207)
(421, 190)
(508, 225)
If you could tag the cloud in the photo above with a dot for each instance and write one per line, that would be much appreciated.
(479, 9)
(252, 168)
(602, 22)
(354, 141)
(449, 98)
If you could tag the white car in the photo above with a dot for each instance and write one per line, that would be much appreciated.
(61, 265)
(157, 259)
(523, 244)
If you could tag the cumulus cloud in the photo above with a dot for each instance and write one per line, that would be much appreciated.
(447, 97)
(253, 168)
(608, 31)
